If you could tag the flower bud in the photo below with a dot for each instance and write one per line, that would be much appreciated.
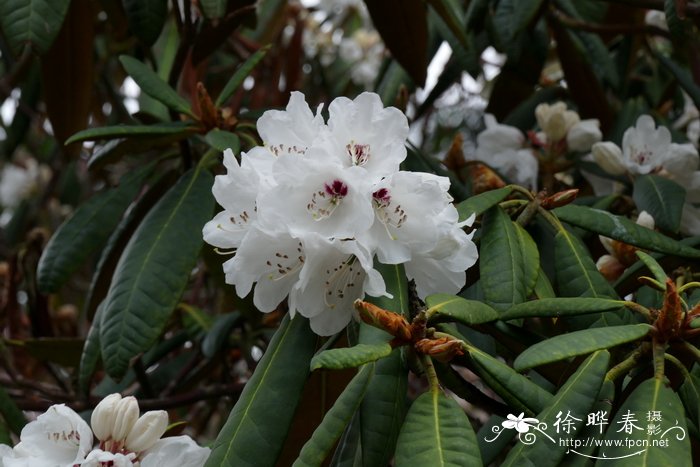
(583, 135)
(443, 349)
(560, 199)
(609, 267)
(103, 416)
(646, 220)
(609, 157)
(555, 120)
(147, 430)
(391, 322)
(126, 414)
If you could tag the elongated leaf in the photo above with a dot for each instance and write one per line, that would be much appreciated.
(521, 394)
(334, 422)
(689, 393)
(480, 203)
(146, 18)
(509, 260)
(154, 86)
(451, 18)
(631, 427)
(14, 417)
(384, 406)
(213, 9)
(85, 231)
(240, 75)
(91, 352)
(219, 332)
(259, 422)
(623, 229)
(64, 351)
(436, 432)
(223, 140)
(153, 271)
(349, 451)
(578, 343)
(123, 131)
(662, 198)
(34, 22)
(556, 307)
(445, 307)
(683, 75)
(575, 398)
(543, 288)
(653, 266)
(337, 359)
(576, 273)
(404, 29)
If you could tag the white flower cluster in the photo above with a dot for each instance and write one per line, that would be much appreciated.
(60, 438)
(308, 211)
(506, 149)
(647, 149)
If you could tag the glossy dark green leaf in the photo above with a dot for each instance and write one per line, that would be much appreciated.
(349, 452)
(623, 229)
(123, 131)
(556, 307)
(334, 422)
(12, 415)
(436, 432)
(480, 203)
(218, 334)
(146, 18)
(34, 22)
(259, 422)
(350, 357)
(384, 406)
(576, 273)
(223, 140)
(683, 75)
(154, 86)
(689, 393)
(404, 29)
(240, 75)
(85, 231)
(653, 266)
(576, 398)
(91, 352)
(509, 260)
(651, 396)
(450, 16)
(543, 287)
(578, 343)
(517, 391)
(153, 271)
(662, 198)
(445, 307)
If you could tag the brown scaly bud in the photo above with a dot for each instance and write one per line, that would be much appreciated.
(391, 322)
(443, 349)
(483, 178)
(454, 160)
(668, 323)
(208, 113)
(559, 199)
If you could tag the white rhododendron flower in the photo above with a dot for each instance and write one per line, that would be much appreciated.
(61, 438)
(647, 149)
(309, 212)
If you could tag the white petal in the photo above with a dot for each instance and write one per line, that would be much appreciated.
(180, 451)
(608, 156)
(583, 135)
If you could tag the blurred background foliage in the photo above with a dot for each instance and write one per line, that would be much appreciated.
(113, 113)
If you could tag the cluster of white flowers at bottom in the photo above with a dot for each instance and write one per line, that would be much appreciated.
(60, 438)
(308, 211)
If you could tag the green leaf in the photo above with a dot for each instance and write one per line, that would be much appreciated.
(576, 273)
(480, 203)
(622, 229)
(650, 396)
(122, 131)
(35, 22)
(384, 406)
(12, 415)
(91, 352)
(682, 74)
(223, 140)
(557, 307)
(146, 18)
(689, 393)
(576, 397)
(451, 18)
(213, 9)
(64, 351)
(578, 343)
(85, 231)
(445, 307)
(436, 432)
(662, 198)
(259, 422)
(218, 334)
(154, 86)
(349, 452)
(653, 266)
(543, 288)
(240, 75)
(153, 271)
(334, 422)
(351, 357)
(521, 394)
(509, 260)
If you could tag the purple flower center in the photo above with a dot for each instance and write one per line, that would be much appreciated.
(336, 189)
